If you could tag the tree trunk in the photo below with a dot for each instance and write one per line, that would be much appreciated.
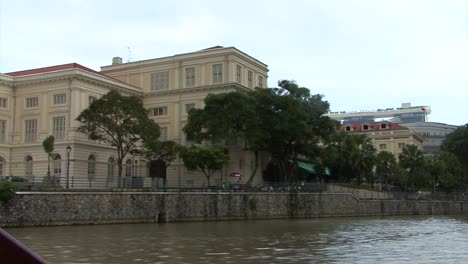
(252, 175)
(208, 180)
(119, 172)
(48, 166)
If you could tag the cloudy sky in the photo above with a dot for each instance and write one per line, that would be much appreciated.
(360, 54)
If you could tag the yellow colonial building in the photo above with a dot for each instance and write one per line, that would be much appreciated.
(41, 102)
(385, 136)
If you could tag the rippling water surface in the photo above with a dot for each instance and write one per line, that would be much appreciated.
(415, 239)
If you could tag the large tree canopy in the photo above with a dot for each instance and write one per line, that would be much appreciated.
(284, 121)
(226, 119)
(120, 121)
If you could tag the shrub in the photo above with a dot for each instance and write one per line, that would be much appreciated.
(7, 191)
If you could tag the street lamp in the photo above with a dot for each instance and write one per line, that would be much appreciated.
(69, 149)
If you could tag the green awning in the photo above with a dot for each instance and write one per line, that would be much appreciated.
(306, 166)
(309, 167)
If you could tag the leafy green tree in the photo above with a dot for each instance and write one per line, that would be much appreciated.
(48, 145)
(350, 156)
(400, 178)
(411, 159)
(446, 172)
(120, 121)
(385, 166)
(165, 151)
(457, 143)
(207, 160)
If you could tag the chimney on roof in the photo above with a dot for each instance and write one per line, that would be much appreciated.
(116, 60)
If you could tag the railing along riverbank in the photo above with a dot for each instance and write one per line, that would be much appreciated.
(136, 184)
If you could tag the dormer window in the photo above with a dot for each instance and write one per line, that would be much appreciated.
(365, 127)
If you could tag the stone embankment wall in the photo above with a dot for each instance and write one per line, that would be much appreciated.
(34, 209)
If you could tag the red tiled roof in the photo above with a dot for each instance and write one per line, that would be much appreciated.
(53, 69)
(372, 126)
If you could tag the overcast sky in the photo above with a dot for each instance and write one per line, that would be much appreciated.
(360, 54)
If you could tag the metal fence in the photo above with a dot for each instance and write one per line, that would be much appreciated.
(140, 184)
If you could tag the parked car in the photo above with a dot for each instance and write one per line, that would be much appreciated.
(20, 182)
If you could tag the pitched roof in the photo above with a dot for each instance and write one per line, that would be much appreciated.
(53, 69)
(371, 126)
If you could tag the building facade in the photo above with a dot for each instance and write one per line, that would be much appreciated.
(41, 102)
(385, 136)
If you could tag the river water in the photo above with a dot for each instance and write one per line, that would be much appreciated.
(412, 239)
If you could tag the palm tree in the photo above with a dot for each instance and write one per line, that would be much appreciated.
(385, 166)
(412, 160)
(350, 156)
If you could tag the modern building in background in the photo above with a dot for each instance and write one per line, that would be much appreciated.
(404, 114)
(413, 117)
(41, 102)
(432, 133)
(385, 136)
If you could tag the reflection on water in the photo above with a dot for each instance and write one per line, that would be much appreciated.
(416, 239)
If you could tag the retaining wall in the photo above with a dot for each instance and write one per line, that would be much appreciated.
(34, 209)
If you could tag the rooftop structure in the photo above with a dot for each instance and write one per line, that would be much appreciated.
(404, 114)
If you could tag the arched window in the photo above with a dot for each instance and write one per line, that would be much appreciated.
(110, 169)
(128, 168)
(2, 162)
(28, 165)
(91, 167)
(57, 165)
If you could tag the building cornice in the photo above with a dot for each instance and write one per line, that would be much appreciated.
(6, 80)
(68, 74)
(185, 57)
(217, 87)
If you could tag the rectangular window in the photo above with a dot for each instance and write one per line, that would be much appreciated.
(188, 107)
(32, 102)
(190, 77)
(91, 99)
(163, 133)
(159, 81)
(58, 128)
(249, 79)
(260, 81)
(401, 145)
(239, 74)
(217, 73)
(30, 130)
(2, 131)
(3, 102)
(60, 99)
(159, 111)
(383, 146)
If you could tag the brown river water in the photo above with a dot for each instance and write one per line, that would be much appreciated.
(402, 239)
